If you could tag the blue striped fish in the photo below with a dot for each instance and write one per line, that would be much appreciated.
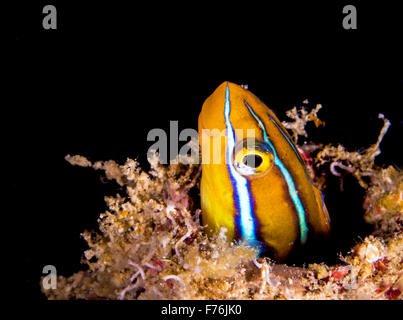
(254, 181)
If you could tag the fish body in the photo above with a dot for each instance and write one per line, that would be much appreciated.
(254, 181)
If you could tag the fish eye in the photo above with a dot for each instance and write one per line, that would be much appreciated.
(252, 158)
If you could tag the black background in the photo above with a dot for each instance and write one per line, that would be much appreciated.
(111, 72)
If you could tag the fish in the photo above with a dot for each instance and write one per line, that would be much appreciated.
(254, 181)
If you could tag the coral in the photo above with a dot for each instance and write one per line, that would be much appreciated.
(301, 117)
(373, 270)
(151, 244)
(383, 202)
(359, 164)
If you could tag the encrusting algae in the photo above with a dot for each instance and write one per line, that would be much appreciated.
(152, 245)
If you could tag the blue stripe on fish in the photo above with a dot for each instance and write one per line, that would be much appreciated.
(299, 157)
(290, 183)
(240, 184)
(292, 145)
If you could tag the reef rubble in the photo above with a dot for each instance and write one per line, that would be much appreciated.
(151, 244)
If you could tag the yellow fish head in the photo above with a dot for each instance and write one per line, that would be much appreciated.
(254, 181)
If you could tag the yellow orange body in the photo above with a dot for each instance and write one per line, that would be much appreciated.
(254, 181)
